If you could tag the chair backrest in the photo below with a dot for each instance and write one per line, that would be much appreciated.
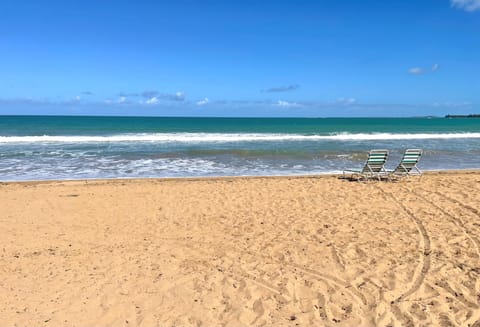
(376, 161)
(409, 160)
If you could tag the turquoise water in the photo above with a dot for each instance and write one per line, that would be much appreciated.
(57, 147)
(68, 125)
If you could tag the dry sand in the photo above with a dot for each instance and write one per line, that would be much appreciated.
(241, 252)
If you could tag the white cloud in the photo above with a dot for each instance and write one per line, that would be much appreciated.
(286, 104)
(203, 102)
(416, 71)
(75, 100)
(179, 96)
(420, 70)
(346, 101)
(152, 100)
(463, 104)
(467, 5)
(120, 100)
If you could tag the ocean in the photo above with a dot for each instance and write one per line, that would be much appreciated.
(66, 147)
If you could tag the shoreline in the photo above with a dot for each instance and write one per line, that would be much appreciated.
(212, 178)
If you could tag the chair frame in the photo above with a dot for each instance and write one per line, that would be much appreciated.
(368, 172)
(402, 171)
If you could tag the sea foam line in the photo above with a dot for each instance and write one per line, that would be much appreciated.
(230, 137)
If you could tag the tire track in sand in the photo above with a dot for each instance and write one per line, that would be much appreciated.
(457, 221)
(305, 269)
(349, 288)
(461, 204)
(342, 284)
(424, 265)
(475, 317)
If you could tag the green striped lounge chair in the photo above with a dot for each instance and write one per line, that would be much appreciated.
(374, 167)
(408, 165)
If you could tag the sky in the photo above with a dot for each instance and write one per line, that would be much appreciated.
(270, 58)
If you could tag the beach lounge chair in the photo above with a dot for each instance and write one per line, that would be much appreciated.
(374, 167)
(408, 165)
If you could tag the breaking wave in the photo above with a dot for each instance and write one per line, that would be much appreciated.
(230, 137)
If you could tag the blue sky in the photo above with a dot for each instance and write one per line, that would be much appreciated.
(240, 58)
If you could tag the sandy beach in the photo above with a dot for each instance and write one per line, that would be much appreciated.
(279, 251)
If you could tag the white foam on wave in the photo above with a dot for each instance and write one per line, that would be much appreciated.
(230, 137)
(81, 168)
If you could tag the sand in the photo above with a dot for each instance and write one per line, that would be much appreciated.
(286, 251)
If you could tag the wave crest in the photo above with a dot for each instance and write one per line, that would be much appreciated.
(229, 137)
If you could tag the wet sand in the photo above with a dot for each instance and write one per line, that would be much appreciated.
(283, 251)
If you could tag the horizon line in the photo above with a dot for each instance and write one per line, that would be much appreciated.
(232, 117)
